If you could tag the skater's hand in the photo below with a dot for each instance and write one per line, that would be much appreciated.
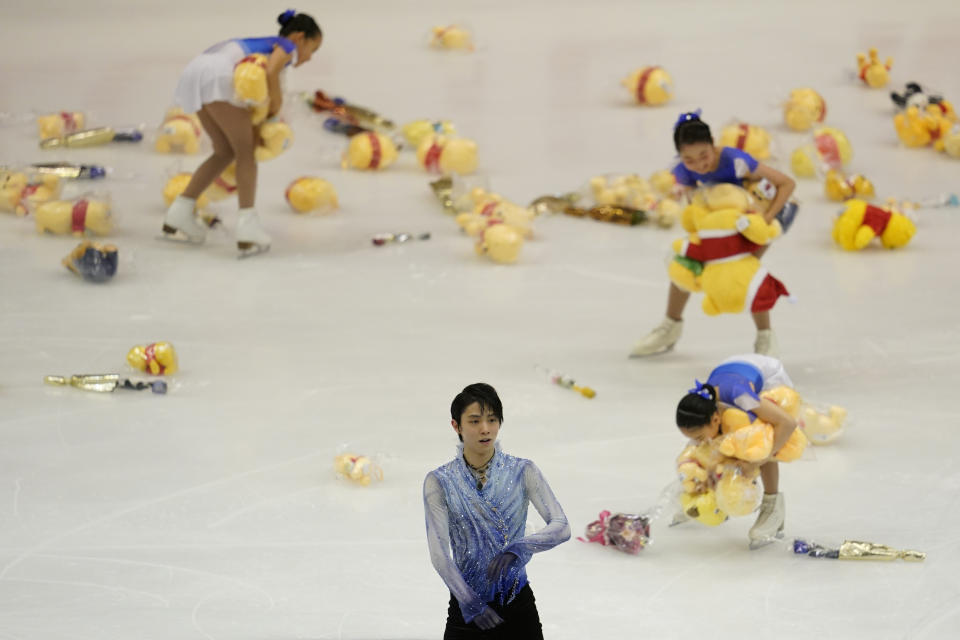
(488, 619)
(500, 564)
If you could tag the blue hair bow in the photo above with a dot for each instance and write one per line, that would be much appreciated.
(701, 390)
(686, 117)
(287, 16)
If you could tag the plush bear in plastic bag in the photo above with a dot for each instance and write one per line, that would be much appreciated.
(156, 358)
(417, 131)
(803, 109)
(917, 128)
(501, 243)
(860, 222)
(650, 85)
(738, 491)
(56, 125)
(840, 188)
(440, 154)
(93, 261)
(369, 151)
(84, 215)
(747, 137)
(250, 80)
(359, 469)
(179, 133)
(276, 136)
(20, 193)
(307, 194)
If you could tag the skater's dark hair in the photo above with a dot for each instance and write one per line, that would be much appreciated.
(481, 393)
(690, 129)
(293, 22)
(697, 407)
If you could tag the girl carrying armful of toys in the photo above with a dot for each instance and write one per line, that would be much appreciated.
(206, 87)
(701, 164)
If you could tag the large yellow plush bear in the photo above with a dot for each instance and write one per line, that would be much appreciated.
(860, 222)
(156, 358)
(650, 85)
(250, 80)
(77, 217)
(752, 440)
(717, 256)
(20, 192)
(179, 133)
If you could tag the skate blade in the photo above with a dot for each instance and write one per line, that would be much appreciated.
(759, 544)
(172, 234)
(250, 249)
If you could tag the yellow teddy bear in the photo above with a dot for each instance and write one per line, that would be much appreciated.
(917, 128)
(311, 194)
(738, 492)
(440, 154)
(276, 137)
(650, 85)
(804, 108)
(369, 151)
(875, 74)
(179, 133)
(77, 217)
(156, 358)
(20, 192)
(860, 222)
(359, 469)
(56, 125)
(501, 243)
(747, 137)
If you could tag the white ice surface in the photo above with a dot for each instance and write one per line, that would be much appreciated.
(212, 513)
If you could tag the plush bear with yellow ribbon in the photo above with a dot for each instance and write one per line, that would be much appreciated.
(747, 137)
(179, 133)
(717, 258)
(78, 217)
(650, 86)
(803, 109)
(860, 222)
(369, 151)
(440, 154)
(156, 358)
(21, 192)
(56, 125)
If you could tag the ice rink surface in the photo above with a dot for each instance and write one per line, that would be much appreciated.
(213, 512)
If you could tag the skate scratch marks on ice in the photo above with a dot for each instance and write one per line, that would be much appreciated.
(96, 585)
(16, 498)
(170, 568)
(257, 505)
(196, 609)
(137, 507)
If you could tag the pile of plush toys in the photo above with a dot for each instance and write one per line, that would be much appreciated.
(924, 120)
(720, 476)
(499, 225)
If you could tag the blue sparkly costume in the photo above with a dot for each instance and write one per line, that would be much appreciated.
(479, 524)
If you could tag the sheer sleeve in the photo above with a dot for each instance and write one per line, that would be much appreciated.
(543, 500)
(438, 540)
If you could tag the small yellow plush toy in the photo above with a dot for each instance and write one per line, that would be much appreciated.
(650, 85)
(308, 193)
(20, 192)
(875, 74)
(77, 217)
(823, 428)
(359, 469)
(179, 133)
(839, 188)
(277, 136)
(703, 507)
(452, 36)
(738, 492)
(176, 185)
(156, 358)
(917, 128)
(859, 223)
(56, 125)
(250, 80)
(746, 137)
(803, 109)
(415, 132)
(831, 149)
(439, 154)
(501, 243)
(369, 151)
